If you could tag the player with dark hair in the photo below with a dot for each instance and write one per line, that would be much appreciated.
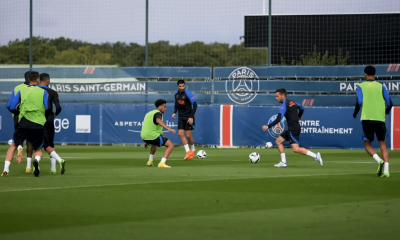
(15, 116)
(374, 101)
(152, 133)
(292, 111)
(49, 125)
(186, 106)
(31, 102)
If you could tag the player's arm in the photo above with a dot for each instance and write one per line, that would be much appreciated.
(359, 101)
(14, 107)
(175, 107)
(10, 99)
(45, 100)
(192, 100)
(282, 111)
(301, 110)
(162, 124)
(388, 101)
(57, 103)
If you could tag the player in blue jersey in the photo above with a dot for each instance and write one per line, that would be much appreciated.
(185, 105)
(292, 111)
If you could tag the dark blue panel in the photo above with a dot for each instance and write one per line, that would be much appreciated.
(123, 123)
(321, 127)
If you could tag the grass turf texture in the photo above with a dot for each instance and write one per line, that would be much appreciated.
(109, 193)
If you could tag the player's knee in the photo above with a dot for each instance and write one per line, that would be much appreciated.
(296, 150)
(181, 133)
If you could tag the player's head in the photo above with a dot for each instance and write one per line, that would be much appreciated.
(161, 105)
(280, 94)
(181, 85)
(34, 78)
(369, 71)
(26, 75)
(44, 79)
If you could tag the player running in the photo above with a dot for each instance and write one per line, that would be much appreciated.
(15, 116)
(152, 133)
(49, 125)
(32, 102)
(186, 105)
(371, 98)
(292, 112)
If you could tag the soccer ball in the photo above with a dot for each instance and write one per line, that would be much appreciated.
(268, 144)
(254, 157)
(201, 154)
(10, 142)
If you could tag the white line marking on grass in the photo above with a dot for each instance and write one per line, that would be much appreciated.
(352, 162)
(163, 181)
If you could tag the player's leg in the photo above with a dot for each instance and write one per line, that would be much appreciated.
(294, 139)
(9, 157)
(170, 146)
(385, 162)
(182, 127)
(29, 153)
(35, 137)
(380, 131)
(19, 137)
(368, 128)
(191, 142)
(153, 150)
(279, 143)
(49, 147)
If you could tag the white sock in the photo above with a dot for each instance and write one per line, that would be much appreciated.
(386, 167)
(7, 166)
(283, 157)
(311, 154)
(192, 147)
(151, 157)
(53, 164)
(55, 156)
(186, 148)
(28, 162)
(163, 159)
(377, 158)
(38, 158)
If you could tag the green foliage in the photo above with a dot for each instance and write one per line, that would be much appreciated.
(67, 51)
(315, 59)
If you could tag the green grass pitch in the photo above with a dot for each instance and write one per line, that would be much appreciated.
(109, 193)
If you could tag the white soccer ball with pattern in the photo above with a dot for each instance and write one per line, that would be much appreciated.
(201, 154)
(254, 157)
(10, 142)
(269, 145)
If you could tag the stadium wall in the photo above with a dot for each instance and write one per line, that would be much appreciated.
(224, 125)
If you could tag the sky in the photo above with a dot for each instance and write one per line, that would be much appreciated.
(176, 21)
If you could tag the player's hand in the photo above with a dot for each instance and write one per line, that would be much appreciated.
(190, 121)
(354, 115)
(173, 115)
(265, 127)
(172, 130)
(146, 145)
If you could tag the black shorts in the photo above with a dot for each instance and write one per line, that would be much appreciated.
(48, 135)
(371, 127)
(183, 123)
(33, 136)
(16, 119)
(293, 136)
(160, 141)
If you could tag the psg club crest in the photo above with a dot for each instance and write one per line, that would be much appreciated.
(242, 86)
(279, 128)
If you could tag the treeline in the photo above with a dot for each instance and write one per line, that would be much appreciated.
(64, 51)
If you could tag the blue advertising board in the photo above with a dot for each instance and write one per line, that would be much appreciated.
(322, 127)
